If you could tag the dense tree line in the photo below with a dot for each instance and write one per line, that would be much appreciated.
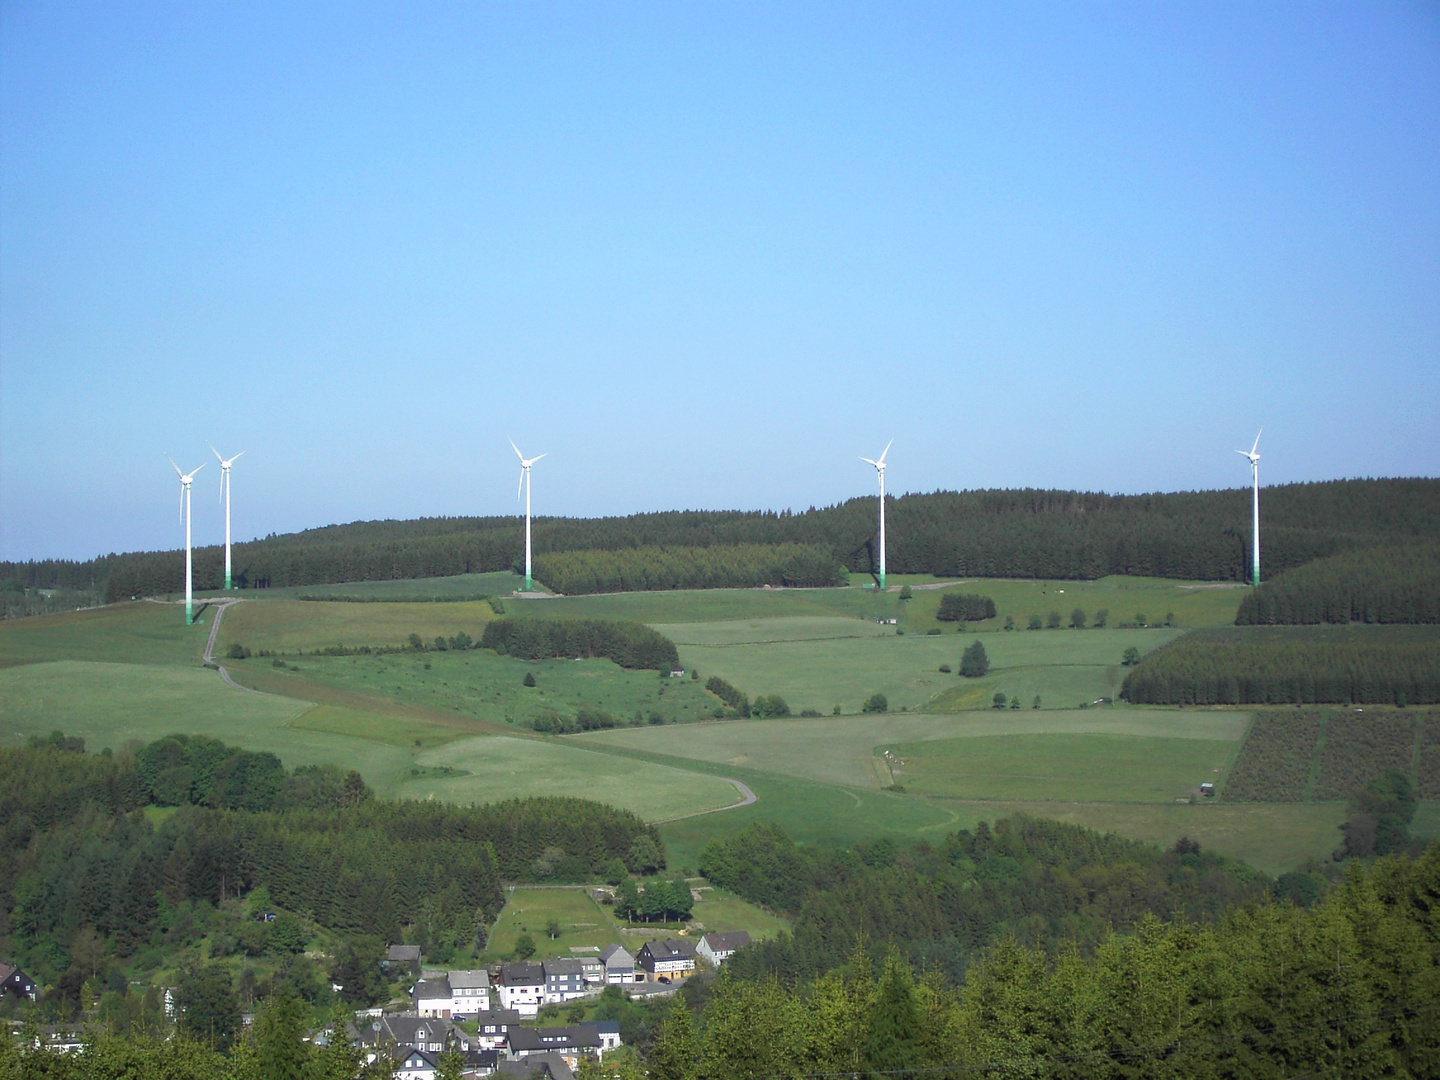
(730, 695)
(629, 644)
(79, 855)
(941, 905)
(642, 569)
(966, 607)
(1026, 533)
(1390, 584)
(1290, 666)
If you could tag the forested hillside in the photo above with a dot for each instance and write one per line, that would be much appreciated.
(77, 854)
(1044, 534)
(1040, 882)
(736, 566)
(1389, 584)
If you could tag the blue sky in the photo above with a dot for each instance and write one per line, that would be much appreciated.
(704, 256)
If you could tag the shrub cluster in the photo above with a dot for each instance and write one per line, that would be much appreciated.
(584, 720)
(965, 607)
(729, 695)
(629, 644)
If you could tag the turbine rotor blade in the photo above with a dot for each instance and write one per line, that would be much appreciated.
(1257, 440)
(215, 452)
(520, 487)
(173, 465)
(517, 451)
(535, 459)
(886, 451)
(869, 462)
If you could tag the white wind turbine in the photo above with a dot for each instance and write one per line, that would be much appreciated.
(1254, 458)
(525, 464)
(880, 468)
(185, 481)
(225, 464)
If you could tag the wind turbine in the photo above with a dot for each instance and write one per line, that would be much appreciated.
(185, 480)
(225, 495)
(880, 468)
(1255, 512)
(525, 464)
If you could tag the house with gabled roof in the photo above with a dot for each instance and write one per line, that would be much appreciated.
(619, 964)
(667, 958)
(14, 981)
(717, 948)
(522, 987)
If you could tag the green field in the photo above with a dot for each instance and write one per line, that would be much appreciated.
(842, 750)
(288, 625)
(586, 925)
(478, 685)
(446, 589)
(133, 633)
(1095, 767)
(498, 767)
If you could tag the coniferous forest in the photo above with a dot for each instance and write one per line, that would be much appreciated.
(1030, 533)
(1363, 665)
(1389, 584)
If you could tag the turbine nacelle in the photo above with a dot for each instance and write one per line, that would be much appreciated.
(880, 463)
(1251, 455)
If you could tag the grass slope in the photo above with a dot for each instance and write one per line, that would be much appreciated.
(133, 633)
(497, 767)
(287, 625)
(1094, 767)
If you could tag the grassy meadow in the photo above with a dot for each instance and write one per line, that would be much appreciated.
(586, 925)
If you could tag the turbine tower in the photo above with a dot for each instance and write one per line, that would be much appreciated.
(225, 496)
(525, 464)
(185, 480)
(880, 468)
(1255, 511)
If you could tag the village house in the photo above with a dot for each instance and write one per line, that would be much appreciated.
(572, 1043)
(492, 1027)
(619, 965)
(431, 997)
(547, 1066)
(402, 957)
(592, 969)
(14, 981)
(717, 948)
(522, 987)
(469, 991)
(564, 979)
(670, 958)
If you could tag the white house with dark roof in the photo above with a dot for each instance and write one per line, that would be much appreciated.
(492, 1027)
(415, 1064)
(432, 997)
(717, 948)
(522, 987)
(469, 991)
(668, 958)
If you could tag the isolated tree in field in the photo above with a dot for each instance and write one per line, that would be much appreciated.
(524, 947)
(1009, 622)
(552, 929)
(1015, 702)
(529, 679)
(416, 643)
(998, 701)
(1131, 656)
(1052, 621)
(973, 661)
(876, 703)
(905, 593)
(1101, 618)
(1077, 619)
(1140, 620)
(1036, 703)
(1035, 623)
